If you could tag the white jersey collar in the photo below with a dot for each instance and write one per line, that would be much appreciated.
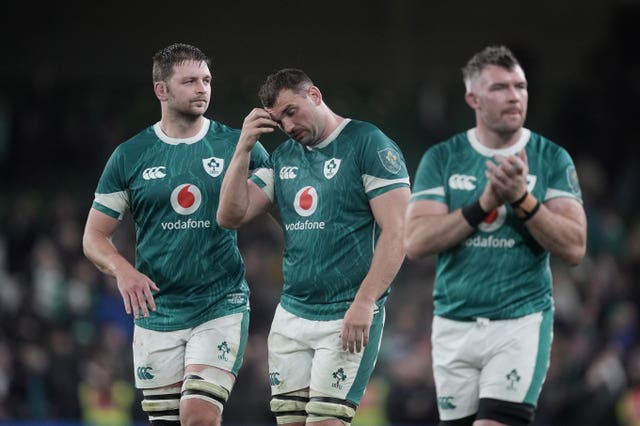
(177, 141)
(332, 136)
(490, 152)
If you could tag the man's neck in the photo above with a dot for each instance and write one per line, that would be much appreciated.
(180, 128)
(495, 140)
(333, 121)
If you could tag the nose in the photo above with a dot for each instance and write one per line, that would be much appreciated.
(286, 125)
(202, 86)
(515, 93)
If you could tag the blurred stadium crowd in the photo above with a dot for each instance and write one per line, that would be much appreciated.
(65, 350)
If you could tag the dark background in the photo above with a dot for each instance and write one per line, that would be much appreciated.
(75, 81)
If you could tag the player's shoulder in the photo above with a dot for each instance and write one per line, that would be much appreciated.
(358, 129)
(218, 128)
(287, 148)
(140, 141)
(364, 137)
(540, 140)
(542, 144)
(221, 133)
(455, 143)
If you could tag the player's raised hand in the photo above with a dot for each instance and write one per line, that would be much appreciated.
(508, 175)
(257, 123)
(135, 289)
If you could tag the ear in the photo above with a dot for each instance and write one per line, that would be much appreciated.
(315, 95)
(160, 89)
(471, 99)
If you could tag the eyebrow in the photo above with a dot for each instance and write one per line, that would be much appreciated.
(277, 116)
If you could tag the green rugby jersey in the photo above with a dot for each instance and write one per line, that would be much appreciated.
(323, 197)
(499, 271)
(172, 188)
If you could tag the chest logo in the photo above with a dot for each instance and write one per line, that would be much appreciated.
(462, 182)
(331, 167)
(288, 172)
(154, 173)
(213, 165)
(306, 201)
(186, 199)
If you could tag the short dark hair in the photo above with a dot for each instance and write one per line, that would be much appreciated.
(166, 58)
(491, 55)
(286, 78)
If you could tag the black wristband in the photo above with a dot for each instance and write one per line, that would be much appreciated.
(474, 214)
(533, 211)
(519, 201)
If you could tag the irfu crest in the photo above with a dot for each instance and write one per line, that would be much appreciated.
(331, 167)
(213, 165)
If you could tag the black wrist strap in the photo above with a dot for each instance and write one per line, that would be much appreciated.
(534, 210)
(474, 214)
(519, 201)
(526, 206)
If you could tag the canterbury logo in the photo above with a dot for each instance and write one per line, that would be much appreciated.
(288, 172)
(154, 173)
(144, 373)
(463, 182)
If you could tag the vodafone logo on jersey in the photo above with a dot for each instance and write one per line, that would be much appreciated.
(186, 199)
(495, 220)
(306, 201)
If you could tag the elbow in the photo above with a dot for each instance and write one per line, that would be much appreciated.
(414, 251)
(574, 256)
(227, 221)
(576, 248)
(86, 245)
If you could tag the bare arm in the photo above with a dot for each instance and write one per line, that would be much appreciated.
(560, 226)
(135, 287)
(388, 211)
(430, 228)
(240, 199)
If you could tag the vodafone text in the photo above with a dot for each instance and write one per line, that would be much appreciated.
(490, 241)
(185, 224)
(303, 226)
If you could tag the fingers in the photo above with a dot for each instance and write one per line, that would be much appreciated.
(260, 121)
(127, 303)
(142, 305)
(508, 176)
(257, 123)
(496, 174)
(356, 324)
(523, 157)
(511, 166)
(365, 338)
(149, 297)
(138, 297)
(354, 339)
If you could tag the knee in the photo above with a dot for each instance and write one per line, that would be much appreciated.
(300, 407)
(202, 401)
(321, 408)
(197, 412)
(290, 407)
(511, 413)
(162, 405)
